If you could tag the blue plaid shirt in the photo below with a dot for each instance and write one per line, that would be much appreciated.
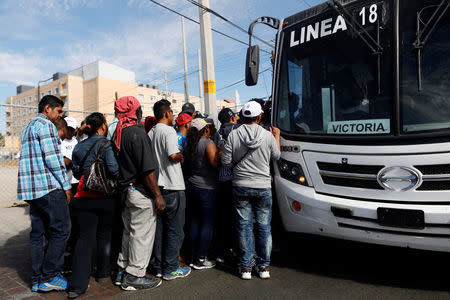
(41, 167)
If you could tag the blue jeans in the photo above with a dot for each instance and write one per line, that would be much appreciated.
(169, 232)
(249, 201)
(50, 229)
(202, 226)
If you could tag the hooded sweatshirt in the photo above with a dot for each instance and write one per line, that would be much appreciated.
(249, 150)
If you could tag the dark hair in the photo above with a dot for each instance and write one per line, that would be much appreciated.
(93, 122)
(192, 140)
(248, 120)
(51, 100)
(60, 124)
(258, 100)
(160, 108)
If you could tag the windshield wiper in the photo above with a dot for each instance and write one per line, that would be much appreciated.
(424, 35)
(365, 37)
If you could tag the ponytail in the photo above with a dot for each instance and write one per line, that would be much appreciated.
(93, 122)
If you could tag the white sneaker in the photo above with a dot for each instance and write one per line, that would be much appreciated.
(246, 273)
(264, 272)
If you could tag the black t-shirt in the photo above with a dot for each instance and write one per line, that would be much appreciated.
(135, 159)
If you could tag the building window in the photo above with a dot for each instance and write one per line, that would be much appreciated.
(49, 92)
(42, 95)
(30, 99)
(152, 98)
(36, 97)
(24, 101)
(174, 101)
(142, 107)
(141, 97)
(56, 90)
(31, 111)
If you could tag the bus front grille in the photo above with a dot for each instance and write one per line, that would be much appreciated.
(350, 175)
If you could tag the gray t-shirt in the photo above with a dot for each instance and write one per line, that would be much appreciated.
(164, 142)
(203, 175)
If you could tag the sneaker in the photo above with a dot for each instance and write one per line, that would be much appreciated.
(246, 273)
(264, 272)
(35, 287)
(58, 283)
(133, 283)
(203, 263)
(119, 276)
(220, 260)
(178, 273)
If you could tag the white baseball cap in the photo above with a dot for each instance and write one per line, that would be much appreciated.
(251, 109)
(198, 123)
(71, 122)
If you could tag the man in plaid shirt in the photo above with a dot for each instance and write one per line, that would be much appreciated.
(44, 185)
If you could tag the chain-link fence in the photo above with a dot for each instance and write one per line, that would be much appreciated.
(13, 119)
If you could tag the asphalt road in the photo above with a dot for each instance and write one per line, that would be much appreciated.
(316, 268)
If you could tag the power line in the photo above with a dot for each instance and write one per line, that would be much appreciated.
(228, 21)
(216, 31)
(237, 82)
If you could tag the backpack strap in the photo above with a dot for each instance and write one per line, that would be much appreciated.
(87, 153)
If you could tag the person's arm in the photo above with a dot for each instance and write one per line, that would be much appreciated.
(53, 159)
(67, 162)
(152, 184)
(276, 153)
(212, 154)
(177, 157)
(76, 168)
(110, 160)
(227, 154)
(171, 145)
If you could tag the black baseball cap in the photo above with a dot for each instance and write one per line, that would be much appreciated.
(225, 115)
(188, 108)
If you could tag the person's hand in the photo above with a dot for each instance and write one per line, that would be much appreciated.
(160, 203)
(68, 196)
(275, 131)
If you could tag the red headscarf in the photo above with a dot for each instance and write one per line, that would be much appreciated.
(150, 121)
(125, 108)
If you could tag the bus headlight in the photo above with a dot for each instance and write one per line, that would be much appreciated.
(292, 172)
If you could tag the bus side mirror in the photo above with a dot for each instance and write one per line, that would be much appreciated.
(252, 66)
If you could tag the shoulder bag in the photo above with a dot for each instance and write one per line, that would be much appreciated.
(95, 177)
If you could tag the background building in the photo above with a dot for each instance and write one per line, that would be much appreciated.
(93, 87)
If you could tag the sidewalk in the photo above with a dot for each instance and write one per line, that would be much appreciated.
(15, 265)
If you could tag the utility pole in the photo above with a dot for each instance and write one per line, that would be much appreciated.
(186, 84)
(209, 83)
(200, 81)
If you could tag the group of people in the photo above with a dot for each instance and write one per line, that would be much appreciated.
(173, 175)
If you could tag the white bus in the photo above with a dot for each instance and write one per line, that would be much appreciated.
(361, 94)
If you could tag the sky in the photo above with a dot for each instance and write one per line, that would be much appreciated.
(39, 38)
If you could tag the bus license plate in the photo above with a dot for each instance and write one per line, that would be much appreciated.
(406, 218)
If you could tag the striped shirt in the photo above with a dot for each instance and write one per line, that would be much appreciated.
(41, 167)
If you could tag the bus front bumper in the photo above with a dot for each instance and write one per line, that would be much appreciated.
(359, 222)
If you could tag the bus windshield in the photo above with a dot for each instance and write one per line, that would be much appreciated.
(330, 81)
(429, 108)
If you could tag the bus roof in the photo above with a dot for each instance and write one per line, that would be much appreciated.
(313, 11)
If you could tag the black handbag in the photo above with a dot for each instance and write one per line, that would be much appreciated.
(96, 178)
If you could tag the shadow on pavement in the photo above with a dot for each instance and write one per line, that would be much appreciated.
(365, 263)
(15, 258)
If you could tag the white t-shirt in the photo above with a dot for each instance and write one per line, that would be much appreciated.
(164, 142)
(67, 147)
